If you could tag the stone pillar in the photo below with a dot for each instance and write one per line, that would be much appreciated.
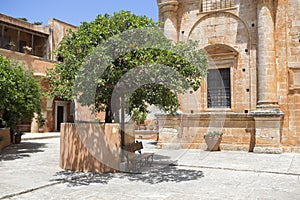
(267, 116)
(267, 84)
(168, 14)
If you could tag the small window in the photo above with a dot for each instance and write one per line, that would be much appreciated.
(218, 88)
(209, 5)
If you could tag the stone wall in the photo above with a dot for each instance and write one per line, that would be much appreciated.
(92, 147)
(187, 131)
(264, 40)
(5, 135)
(289, 84)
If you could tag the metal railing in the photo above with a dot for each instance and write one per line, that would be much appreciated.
(209, 5)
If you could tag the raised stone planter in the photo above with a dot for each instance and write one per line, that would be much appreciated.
(92, 146)
(186, 131)
(5, 135)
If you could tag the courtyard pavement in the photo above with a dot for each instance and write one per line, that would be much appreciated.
(31, 170)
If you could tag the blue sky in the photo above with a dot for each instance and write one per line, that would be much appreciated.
(74, 11)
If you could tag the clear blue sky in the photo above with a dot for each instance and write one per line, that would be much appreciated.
(74, 11)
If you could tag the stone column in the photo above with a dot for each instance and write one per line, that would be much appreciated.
(267, 84)
(267, 116)
(167, 12)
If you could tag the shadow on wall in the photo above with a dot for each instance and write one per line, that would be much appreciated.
(19, 151)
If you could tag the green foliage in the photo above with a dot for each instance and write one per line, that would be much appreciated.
(78, 44)
(214, 133)
(12, 44)
(37, 23)
(138, 116)
(20, 93)
(23, 19)
(128, 49)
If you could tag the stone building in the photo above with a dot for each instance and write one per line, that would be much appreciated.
(252, 90)
(32, 45)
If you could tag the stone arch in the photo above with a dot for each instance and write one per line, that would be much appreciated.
(221, 49)
(222, 57)
(225, 28)
(241, 25)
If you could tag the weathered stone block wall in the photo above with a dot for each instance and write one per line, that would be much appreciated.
(92, 147)
(5, 135)
(288, 71)
(187, 131)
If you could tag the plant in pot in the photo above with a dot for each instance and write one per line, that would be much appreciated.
(213, 140)
(10, 45)
(139, 117)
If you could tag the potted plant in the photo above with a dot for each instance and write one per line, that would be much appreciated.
(27, 49)
(213, 140)
(10, 45)
(139, 117)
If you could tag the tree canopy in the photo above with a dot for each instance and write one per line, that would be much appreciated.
(20, 93)
(124, 55)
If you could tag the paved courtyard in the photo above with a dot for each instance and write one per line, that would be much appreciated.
(31, 171)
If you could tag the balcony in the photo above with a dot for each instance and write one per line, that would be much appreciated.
(23, 37)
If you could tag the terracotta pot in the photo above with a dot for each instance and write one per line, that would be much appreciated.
(213, 142)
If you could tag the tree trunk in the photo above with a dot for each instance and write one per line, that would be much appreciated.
(108, 114)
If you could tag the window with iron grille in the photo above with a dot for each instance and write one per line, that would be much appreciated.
(218, 88)
(209, 5)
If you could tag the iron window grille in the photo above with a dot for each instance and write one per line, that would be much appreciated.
(218, 88)
(209, 5)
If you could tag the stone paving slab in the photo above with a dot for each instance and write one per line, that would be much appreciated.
(28, 165)
(214, 184)
(237, 160)
(30, 171)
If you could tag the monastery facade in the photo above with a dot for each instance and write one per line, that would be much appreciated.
(252, 89)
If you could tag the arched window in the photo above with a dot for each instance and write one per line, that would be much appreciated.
(222, 60)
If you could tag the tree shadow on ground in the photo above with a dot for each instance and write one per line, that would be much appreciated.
(162, 170)
(82, 178)
(19, 151)
(168, 173)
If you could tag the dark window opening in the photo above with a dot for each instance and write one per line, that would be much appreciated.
(218, 88)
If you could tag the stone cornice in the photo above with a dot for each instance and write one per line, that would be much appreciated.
(169, 6)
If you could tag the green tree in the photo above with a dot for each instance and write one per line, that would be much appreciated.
(20, 93)
(127, 55)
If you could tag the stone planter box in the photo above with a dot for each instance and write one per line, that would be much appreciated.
(213, 142)
(92, 146)
(5, 135)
